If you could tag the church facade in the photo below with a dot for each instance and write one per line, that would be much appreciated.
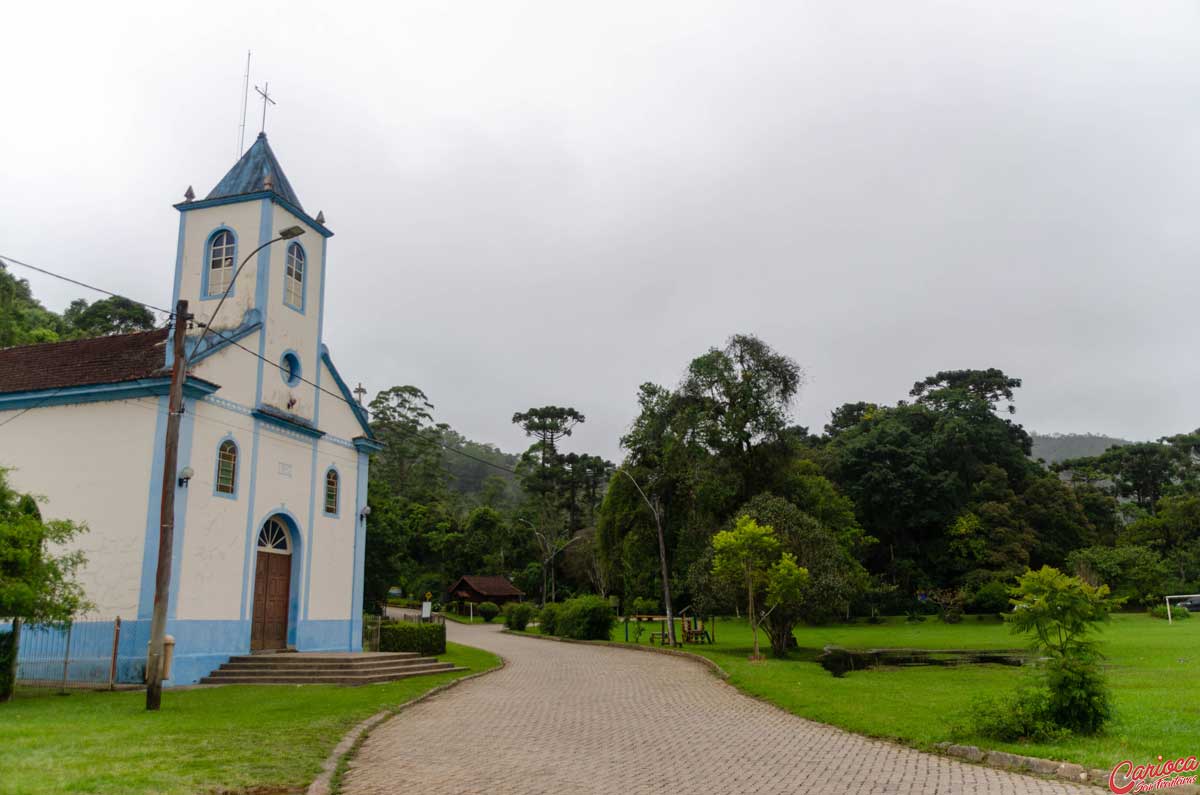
(271, 487)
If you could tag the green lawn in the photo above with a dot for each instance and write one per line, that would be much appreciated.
(1154, 669)
(265, 739)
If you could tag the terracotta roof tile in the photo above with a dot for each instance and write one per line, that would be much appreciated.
(100, 360)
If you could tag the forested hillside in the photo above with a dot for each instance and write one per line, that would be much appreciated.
(1055, 447)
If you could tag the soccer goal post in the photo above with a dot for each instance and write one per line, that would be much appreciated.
(1171, 620)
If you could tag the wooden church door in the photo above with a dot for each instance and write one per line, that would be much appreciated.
(272, 587)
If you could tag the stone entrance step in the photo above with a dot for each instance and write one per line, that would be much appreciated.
(325, 668)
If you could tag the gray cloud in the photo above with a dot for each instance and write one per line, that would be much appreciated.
(554, 202)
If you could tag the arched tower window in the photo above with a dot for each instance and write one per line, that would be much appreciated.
(331, 491)
(293, 278)
(227, 455)
(219, 269)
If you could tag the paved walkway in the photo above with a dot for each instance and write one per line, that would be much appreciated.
(566, 718)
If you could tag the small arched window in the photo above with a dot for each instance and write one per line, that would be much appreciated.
(227, 455)
(220, 263)
(331, 491)
(293, 278)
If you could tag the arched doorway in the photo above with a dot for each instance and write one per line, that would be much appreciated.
(272, 586)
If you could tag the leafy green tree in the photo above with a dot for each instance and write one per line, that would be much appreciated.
(37, 581)
(1132, 573)
(950, 388)
(1060, 612)
(411, 461)
(745, 554)
(23, 319)
(1174, 533)
(115, 315)
(1144, 471)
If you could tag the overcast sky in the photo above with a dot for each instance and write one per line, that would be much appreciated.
(554, 202)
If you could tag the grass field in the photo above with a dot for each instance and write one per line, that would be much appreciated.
(1154, 670)
(231, 739)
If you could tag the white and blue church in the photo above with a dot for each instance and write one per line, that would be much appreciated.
(270, 502)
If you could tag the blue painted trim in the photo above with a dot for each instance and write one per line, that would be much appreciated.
(153, 503)
(365, 445)
(354, 642)
(303, 277)
(298, 585)
(262, 289)
(284, 368)
(237, 466)
(186, 431)
(268, 195)
(92, 393)
(320, 339)
(359, 413)
(207, 262)
(250, 324)
(312, 520)
(298, 424)
(337, 510)
(251, 530)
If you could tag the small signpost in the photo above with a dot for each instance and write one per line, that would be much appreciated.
(426, 609)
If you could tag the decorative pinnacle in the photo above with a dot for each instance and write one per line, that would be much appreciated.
(189, 194)
(320, 216)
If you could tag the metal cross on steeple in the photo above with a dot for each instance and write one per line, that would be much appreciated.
(264, 93)
(359, 392)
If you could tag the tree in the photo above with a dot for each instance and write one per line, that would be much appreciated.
(737, 401)
(1173, 532)
(37, 583)
(950, 387)
(745, 554)
(1060, 613)
(548, 425)
(115, 315)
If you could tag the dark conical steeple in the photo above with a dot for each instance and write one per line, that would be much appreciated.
(257, 170)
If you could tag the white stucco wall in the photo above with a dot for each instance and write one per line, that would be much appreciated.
(332, 591)
(244, 219)
(92, 462)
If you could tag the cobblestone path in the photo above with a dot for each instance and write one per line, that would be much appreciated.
(566, 718)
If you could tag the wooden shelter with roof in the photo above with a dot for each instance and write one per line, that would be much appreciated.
(493, 588)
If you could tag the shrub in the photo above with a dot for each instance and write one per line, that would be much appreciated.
(517, 615)
(427, 639)
(1023, 716)
(1079, 698)
(990, 597)
(1060, 611)
(1178, 612)
(548, 618)
(585, 618)
(488, 611)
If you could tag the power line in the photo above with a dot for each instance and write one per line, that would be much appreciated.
(354, 406)
(84, 284)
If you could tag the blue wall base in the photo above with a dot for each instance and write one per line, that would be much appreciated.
(200, 648)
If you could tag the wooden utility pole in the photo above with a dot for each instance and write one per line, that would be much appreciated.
(166, 527)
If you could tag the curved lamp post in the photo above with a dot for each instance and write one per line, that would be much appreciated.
(662, 557)
(284, 234)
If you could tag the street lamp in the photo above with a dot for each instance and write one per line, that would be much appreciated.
(662, 555)
(284, 234)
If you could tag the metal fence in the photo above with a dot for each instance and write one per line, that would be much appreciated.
(372, 625)
(84, 654)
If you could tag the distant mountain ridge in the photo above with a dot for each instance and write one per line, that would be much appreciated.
(1054, 447)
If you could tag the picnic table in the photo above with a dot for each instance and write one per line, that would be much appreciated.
(691, 630)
